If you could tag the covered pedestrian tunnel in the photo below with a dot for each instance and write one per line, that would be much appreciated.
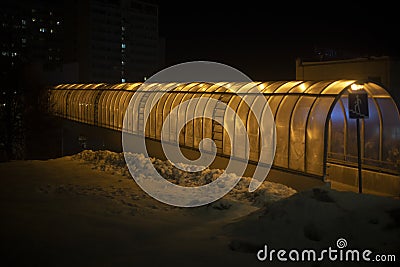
(314, 134)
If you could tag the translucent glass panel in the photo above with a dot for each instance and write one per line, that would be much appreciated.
(338, 132)
(57, 102)
(182, 111)
(270, 88)
(159, 107)
(87, 105)
(282, 121)
(237, 149)
(102, 109)
(187, 134)
(118, 110)
(391, 132)
(107, 108)
(298, 133)
(315, 135)
(299, 121)
(63, 101)
(375, 90)
(111, 107)
(75, 105)
(124, 102)
(242, 149)
(337, 87)
(372, 132)
(288, 137)
(209, 127)
(351, 137)
(275, 100)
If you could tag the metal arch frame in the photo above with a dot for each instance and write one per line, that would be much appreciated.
(326, 127)
(188, 96)
(378, 108)
(178, 100)
(192, 96)
(267, 98)
(242, 102)
(345, 127)
(278, 109)
(306, 126)
(291, 119)
(221, 90)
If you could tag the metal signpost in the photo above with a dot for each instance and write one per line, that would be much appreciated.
(358, 109)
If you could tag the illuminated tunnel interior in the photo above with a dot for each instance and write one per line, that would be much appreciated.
(314, 134)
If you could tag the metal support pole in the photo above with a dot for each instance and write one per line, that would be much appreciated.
(62, 139)
(359, 157)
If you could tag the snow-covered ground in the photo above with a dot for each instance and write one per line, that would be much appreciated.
(115, 163)
(86, 210)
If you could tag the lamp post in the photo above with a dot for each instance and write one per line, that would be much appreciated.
(358, 109)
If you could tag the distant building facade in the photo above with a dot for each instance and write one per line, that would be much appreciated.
(81, 41)
(383, 70)
(31, 32)
(113, 40)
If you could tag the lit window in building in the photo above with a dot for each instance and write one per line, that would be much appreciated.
(123, 28)
(51, 13)
(33, 19)
(58, 23)
(123, 45)
(4, 53)
(42, 29)
(122, 62)
(14, 54)
(51, 31)
(23, 22)
(123, 80)
(23, 40)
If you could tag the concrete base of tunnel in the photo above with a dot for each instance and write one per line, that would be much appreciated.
(80, 136)
(372, 181)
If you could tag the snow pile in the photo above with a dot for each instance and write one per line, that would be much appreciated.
(142, 168)
(317, 218)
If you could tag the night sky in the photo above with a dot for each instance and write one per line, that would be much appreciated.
(263, 41)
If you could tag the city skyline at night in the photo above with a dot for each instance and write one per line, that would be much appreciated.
(263, 41)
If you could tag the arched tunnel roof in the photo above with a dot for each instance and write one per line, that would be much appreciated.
(311, 117)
